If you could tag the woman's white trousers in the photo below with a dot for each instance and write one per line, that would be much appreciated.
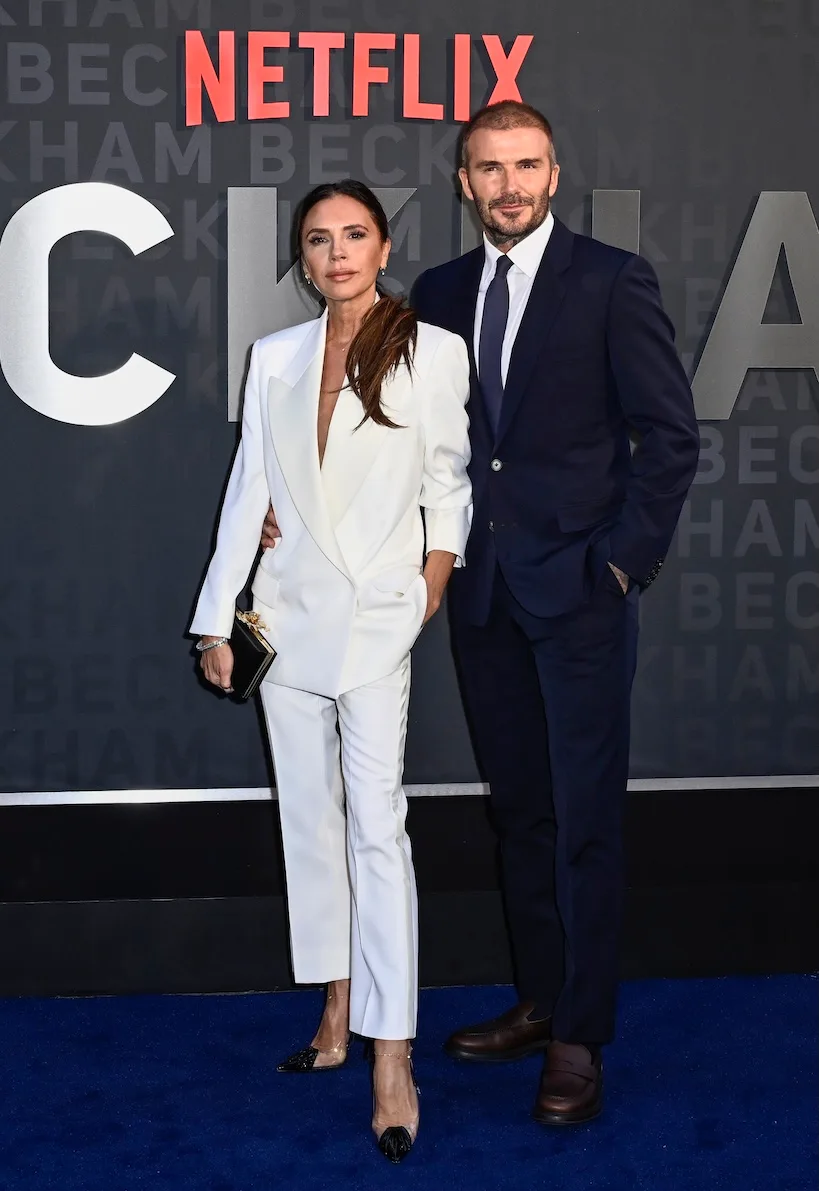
(351, 895)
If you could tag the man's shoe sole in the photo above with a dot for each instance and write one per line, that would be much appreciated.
(579, 1117)
(505, 1056)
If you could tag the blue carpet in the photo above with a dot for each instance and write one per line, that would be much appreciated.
(711, 1085)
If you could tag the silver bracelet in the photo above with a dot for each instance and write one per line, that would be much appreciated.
(212, 644)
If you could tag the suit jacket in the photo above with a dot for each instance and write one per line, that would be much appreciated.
(342, 592)
(557, 490)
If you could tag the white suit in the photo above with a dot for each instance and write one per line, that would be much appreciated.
(343, 599)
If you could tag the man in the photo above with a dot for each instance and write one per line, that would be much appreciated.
(570, 351)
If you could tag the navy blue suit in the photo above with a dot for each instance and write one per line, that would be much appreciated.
(544, 639)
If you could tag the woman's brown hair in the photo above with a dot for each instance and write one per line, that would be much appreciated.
(388, 333)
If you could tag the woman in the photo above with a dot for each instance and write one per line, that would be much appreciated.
(352, 424)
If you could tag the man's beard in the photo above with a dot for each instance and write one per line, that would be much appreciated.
(512, 231)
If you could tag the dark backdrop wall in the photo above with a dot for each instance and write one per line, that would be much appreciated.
(684, 128)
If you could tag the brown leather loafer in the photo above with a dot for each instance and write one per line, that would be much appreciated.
(571, 1086)
(510, 1036)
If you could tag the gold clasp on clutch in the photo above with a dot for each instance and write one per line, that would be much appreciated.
(253, 619)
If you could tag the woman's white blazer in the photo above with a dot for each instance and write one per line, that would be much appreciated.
(342, 592)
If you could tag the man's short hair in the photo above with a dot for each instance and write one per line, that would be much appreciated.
(509, 113)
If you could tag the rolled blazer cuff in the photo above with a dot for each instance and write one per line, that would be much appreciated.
(448, 529)
(212, 620)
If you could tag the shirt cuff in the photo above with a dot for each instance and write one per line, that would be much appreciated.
(448, 529)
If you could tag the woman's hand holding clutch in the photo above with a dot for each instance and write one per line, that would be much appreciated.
(217, 664)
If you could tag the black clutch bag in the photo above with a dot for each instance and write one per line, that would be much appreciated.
(252, 654)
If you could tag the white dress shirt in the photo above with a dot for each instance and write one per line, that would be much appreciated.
(525, 257)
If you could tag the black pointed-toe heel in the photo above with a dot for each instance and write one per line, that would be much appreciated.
(396, 1141)
(303, 1062)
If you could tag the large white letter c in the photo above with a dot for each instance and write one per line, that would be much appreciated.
(24, 251)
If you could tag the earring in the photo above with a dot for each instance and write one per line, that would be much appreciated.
(308, 279)
(382, 271)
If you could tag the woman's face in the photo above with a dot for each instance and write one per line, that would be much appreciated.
(341, 248)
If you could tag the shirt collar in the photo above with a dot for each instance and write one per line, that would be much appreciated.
(528, 252)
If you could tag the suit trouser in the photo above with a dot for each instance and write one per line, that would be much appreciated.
(548, 704)
(351, 895)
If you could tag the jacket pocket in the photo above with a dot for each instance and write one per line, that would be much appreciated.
(398, 580)
(584, 515)
(265, 587)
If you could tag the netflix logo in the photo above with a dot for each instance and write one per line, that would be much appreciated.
(217, 79)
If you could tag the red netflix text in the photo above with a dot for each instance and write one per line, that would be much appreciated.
(217, 79)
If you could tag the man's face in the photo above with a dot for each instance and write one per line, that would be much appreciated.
(510, 178)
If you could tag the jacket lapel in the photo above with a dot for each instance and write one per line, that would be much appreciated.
(464, 300)
(544, 302)
(293, 402)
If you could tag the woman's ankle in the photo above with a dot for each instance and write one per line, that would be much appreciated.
(391, 1048)
(337, 1004)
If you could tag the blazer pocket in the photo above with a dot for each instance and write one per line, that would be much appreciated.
(265, 587)
(572, 518)
(397, 581)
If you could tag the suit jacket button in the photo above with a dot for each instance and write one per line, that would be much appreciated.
(496, 465)
(491, 526)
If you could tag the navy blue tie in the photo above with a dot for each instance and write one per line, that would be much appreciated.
(490, 347)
